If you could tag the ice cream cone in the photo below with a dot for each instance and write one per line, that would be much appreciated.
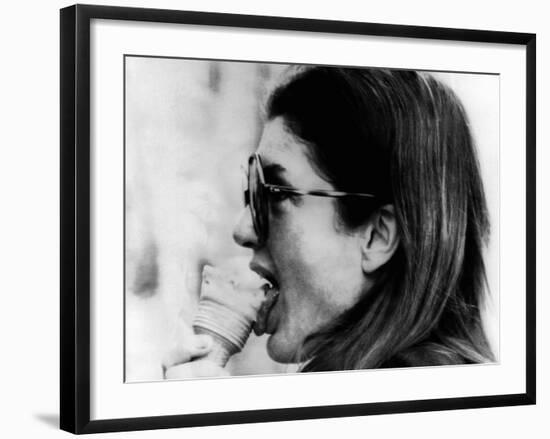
(229, 302)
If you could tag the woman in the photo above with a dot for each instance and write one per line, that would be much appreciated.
(367, 215)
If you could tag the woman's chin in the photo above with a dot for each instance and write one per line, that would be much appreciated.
(281, 350)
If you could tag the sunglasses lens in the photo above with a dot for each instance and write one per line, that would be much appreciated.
(257, 199)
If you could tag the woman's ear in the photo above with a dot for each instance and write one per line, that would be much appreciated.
(380, 239)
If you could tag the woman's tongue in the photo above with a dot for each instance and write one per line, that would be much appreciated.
(272, 314)
(260, 326)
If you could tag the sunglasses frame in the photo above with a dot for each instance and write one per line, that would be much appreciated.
(262, 230)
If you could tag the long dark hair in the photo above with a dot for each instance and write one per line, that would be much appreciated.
(403, 136)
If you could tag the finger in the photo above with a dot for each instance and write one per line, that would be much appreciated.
(200, 345)
(177, 354)
(195, 346)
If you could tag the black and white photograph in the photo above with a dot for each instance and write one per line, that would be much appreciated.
(276, 218)
(270, 220)
(302, 218)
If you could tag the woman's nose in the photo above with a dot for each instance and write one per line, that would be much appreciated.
(244, 233)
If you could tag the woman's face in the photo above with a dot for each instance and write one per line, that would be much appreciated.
(311, 258)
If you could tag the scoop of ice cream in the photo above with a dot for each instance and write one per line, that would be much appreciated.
(231, 296)
(241, 292)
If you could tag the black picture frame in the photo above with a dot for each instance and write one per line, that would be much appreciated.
(75, 217)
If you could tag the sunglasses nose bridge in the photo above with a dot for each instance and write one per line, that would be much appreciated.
(245, 232)
(257, 197)
(244, 185)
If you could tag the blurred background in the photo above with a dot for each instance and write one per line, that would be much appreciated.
(190, 126)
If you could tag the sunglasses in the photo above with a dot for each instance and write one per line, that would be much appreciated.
(257, 194)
